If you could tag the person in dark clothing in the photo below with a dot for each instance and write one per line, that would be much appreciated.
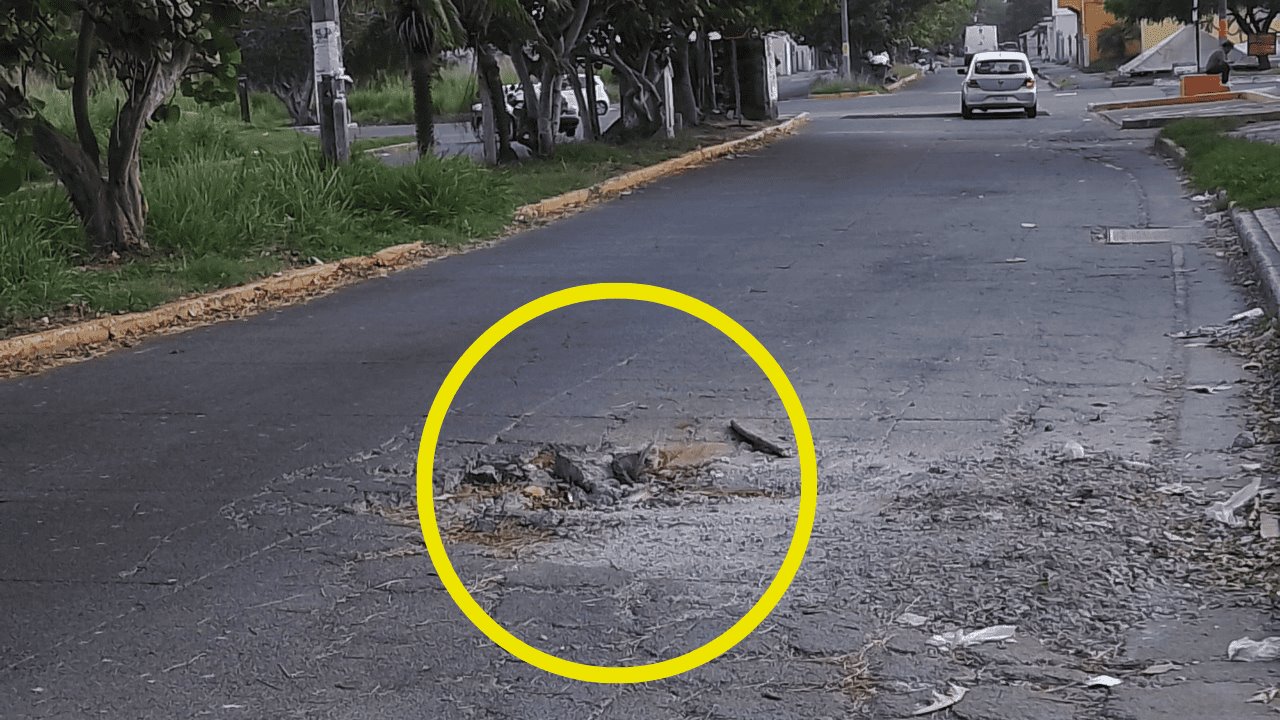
(1218, 64)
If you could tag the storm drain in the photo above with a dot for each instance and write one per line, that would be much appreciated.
(1152, 236)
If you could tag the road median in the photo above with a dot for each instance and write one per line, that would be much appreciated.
(33, 352)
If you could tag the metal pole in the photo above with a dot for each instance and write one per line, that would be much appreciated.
(846, 60)
(326, 42)
(1222, 19)
(242, 90)
(737, 84)
(1195, 22)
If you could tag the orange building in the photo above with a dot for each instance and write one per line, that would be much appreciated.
(1094, 18)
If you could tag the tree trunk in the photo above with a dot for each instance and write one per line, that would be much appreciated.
(548, 110)
(686, 98)
(529, 123)
(112, 214)
(491, 75)
(421, 66)
(81, 87)
(298, 98)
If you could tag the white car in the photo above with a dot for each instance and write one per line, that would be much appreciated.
(603, 103)
(998, 81)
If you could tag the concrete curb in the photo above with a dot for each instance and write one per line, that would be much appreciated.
(36, 351)
(626, 182)
(1171, 150)
(1259, 244)
(896, 86)
(1263, 254)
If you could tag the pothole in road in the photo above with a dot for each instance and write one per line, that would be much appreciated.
(507, 500)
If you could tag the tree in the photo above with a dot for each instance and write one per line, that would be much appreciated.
(489, 24)
(425, 28)
(1113, 40)
(275, 46)
(151, 48)
(276, 50)
(1255, 17)
(556, 29)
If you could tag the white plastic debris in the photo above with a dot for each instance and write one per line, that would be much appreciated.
(1102, 681)
(1266, 697)
(1029, 226)
(1073, 451)
(1015, 260)
(1208, 389)
(911, 620)
(964, 638)
(1225, 512)
(1254, 314)
(1249, 650)
(1269, 526)
(941, 702)
(1161, 668)
(1201, 198)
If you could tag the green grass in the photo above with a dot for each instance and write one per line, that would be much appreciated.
(1249, 171)
(835, 86)
(229, 204)
(904, 71)
(580, 165)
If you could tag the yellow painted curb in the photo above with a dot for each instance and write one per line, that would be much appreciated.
(627, 182)
(1171, 101)
(32, 352)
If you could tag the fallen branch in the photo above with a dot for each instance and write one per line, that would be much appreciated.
(759, 443)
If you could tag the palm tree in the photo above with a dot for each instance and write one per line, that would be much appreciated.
(425, 27)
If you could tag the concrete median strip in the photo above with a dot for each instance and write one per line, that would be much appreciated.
(33, 352)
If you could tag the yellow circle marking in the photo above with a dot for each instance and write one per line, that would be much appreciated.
(804, 451)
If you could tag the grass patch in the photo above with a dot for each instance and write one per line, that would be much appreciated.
(835, 86)
(1248, 171)
(230, 204)
(904, 70)
(580, 165)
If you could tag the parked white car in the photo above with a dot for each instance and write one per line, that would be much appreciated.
(998, 81)
(603, 102)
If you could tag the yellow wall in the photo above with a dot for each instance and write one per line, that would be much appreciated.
(1154, 33)
(1093, 18)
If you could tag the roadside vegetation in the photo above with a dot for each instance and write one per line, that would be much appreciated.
(1248, 171)
(229, 204)
(128, 178)
(836, 86)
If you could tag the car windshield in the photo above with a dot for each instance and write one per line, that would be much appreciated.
(999, 67)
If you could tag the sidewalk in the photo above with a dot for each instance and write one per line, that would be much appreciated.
(1065, 77)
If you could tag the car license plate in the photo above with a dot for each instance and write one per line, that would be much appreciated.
(999, 98)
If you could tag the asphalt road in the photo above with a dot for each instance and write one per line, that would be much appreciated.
(213, 524)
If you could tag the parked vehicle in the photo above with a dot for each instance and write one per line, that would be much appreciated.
(603, 102)
(515, 101)
(998, 81)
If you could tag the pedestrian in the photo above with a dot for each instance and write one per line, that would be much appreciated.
(1218, 64)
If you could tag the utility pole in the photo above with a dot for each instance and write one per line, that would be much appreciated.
(1195, 22)
(331, 78)
(846, 60)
